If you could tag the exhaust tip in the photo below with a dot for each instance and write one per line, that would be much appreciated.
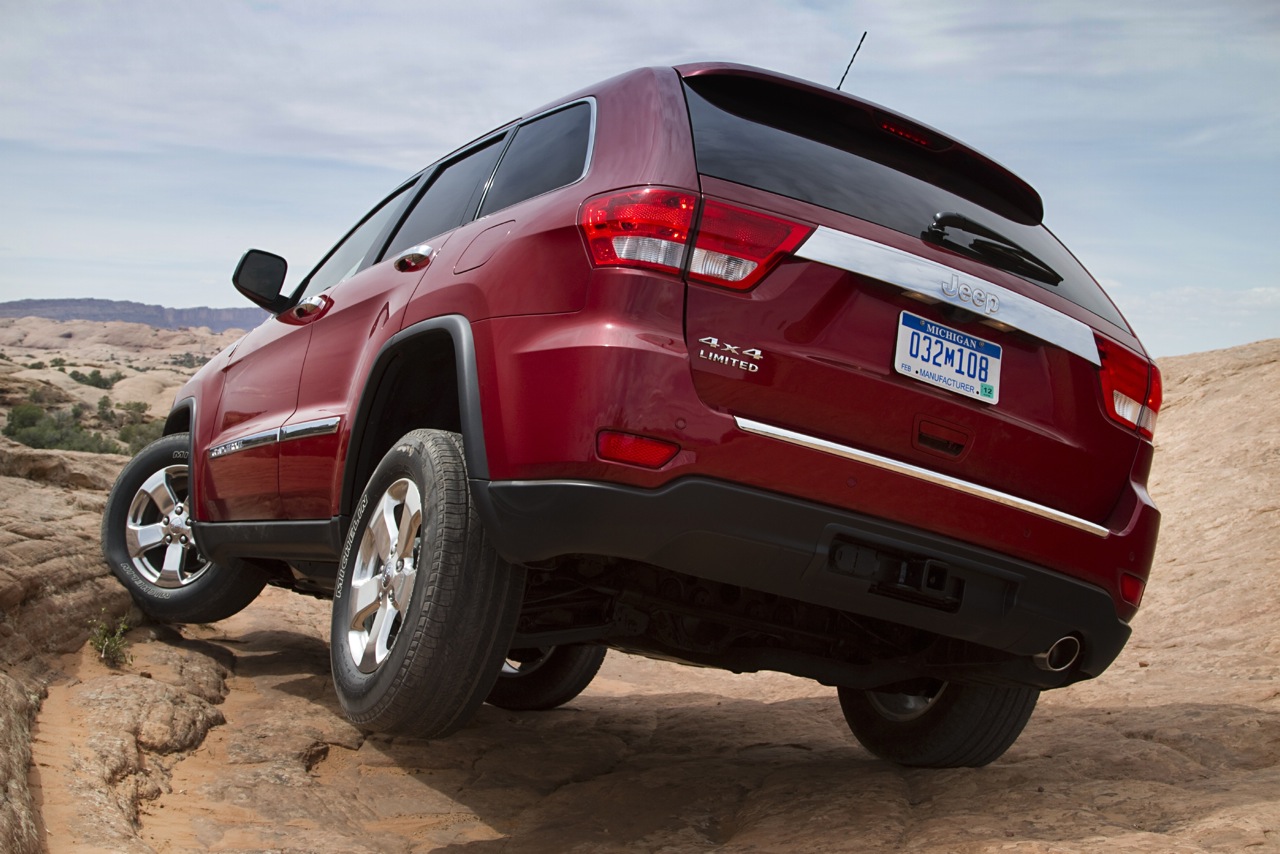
(1060, 656)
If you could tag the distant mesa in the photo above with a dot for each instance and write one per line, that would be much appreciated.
(217, 319)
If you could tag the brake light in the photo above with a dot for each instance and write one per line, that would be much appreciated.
(735, 248)
(646, 227)
(1131, 387)
(651, 227)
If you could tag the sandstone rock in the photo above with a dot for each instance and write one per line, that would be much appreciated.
(1176, 748)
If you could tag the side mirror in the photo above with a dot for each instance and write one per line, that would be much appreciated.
(260, 276)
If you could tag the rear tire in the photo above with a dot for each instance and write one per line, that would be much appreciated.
(424, 609)
(540, 679)
(939, 724)
(148, 542)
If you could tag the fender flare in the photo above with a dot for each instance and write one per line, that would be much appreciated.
(458, 329)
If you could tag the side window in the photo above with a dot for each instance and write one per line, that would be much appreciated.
(348, 257)
(547, 153)
(451, 198)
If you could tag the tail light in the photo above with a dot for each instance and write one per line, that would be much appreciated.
(651, 227)
(646, 227)
(735, 248)
(1131, 387)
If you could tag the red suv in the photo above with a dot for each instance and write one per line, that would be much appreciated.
(704, 363)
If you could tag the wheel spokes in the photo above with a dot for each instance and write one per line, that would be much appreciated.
(384, 574)
(139, 539)
(410, 527)
(158, 487)
(364, 601)
(375, 645)
(171, 572)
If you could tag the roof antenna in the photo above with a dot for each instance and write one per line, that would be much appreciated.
(851, 59)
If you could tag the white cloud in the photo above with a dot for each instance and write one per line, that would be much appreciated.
(1152, 128)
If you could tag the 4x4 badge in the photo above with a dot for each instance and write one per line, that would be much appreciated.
(724, 353)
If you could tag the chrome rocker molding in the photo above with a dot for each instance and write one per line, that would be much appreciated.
(287, 433)
(918, 473)
(927, 278)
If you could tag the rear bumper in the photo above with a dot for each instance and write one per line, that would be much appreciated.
(810, 552)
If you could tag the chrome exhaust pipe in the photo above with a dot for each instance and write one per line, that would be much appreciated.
(1060, 656)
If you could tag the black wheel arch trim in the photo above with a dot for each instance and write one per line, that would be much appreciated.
(181, 417)
(458, 330)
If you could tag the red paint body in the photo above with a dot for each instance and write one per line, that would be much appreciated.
(564, 349)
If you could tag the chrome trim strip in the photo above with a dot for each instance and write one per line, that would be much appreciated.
(289, 432)
(244, 443)
(306, 429)
(931, 279)
(1002, 498)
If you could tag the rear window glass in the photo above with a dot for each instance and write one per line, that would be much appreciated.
(547, 153)
(818, 150)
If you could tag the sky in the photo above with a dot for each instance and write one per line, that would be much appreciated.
(145, 145)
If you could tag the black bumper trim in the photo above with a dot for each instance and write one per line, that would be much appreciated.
(781, 545)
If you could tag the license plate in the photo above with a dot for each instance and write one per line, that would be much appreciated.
(948, 358)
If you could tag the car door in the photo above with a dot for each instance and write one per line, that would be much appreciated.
(260, 389)
(365, 311)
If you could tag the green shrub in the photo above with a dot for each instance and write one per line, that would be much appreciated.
(135, 411)
(57, 363)
(96, 378)
(138, 436)
(35, 428)
(109, 643)
(188, 360)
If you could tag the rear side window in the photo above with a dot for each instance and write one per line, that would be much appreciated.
(450, 198)
(818, 150)
(546, 153)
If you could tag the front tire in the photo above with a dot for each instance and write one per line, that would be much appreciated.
(148, 542)
(541, 679)
(934, 724)
(424, 609)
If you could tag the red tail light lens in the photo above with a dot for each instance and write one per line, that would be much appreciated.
(1131, 387)
(735, 248)
(635, 450)
(646, 227)
(650, 227)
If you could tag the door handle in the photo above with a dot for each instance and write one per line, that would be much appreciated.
(414, 259)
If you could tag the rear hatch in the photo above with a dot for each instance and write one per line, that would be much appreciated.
(925, 316)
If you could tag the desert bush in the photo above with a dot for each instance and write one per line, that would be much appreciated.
(135, 411)
(110, 643)
(138, 436)
(188, 360)
(29, 424)
(96, 378)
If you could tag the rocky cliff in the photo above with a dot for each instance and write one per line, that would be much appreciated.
(158, 316)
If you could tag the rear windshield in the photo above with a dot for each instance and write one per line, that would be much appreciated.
(816, 149)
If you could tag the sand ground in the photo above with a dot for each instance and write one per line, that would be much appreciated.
(227, 737)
